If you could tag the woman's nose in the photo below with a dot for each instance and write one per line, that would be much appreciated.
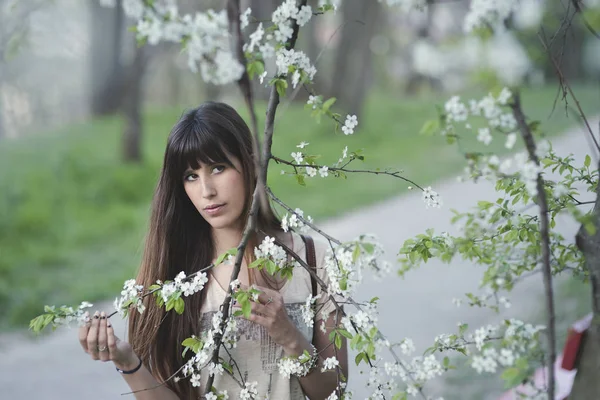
(208, 189)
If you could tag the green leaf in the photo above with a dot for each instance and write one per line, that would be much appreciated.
(345, 333)
(222, 257)
(246, 309)
(271, 267)
(170, 304)
(429, 127)
(227, 367)
(257, 263)
(300, 179)
(369, 248)
(359, 357)
(338, 341)
(588, 160)
(179, 306)
(281, 86)
(329, 103)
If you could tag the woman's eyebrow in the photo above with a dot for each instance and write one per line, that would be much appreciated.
(189, 169)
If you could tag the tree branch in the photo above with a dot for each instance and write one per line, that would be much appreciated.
(545, 237)
(395, 174)
(259, 191)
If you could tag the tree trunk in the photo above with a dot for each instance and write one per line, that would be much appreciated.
(416, 79)
(587, 384)
(2, 129)
(353, 64)
(107, 71)
(132, 107)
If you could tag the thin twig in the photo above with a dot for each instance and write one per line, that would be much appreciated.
(545, 238)
(308, 223)
(579, 10)
(568, 86)
(395, 174)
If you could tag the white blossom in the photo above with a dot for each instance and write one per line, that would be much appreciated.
(195, 380)
(313, 101)
(244, 18)
(249, 392)
(298, 157)
(215, 369)
(431, 198)
(488, 13)
(330, 363)
(349, 125)
(484, 136)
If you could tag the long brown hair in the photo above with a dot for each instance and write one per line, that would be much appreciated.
(179, 239)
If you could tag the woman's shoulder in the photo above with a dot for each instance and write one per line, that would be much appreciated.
(299, 247)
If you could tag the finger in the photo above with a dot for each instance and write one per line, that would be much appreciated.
(102, 340)
(269, 298)
(111, 341)
(258, 308)
(261, 320)
(92, 337)
(83, 332)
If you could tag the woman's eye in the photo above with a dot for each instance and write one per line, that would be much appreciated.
(190, 177)
(218, 168)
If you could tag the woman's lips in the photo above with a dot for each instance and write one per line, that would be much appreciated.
(213, 210)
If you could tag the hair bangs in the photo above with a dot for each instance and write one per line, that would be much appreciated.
(199, 145)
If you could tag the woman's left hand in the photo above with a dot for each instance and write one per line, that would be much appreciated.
(269, 311)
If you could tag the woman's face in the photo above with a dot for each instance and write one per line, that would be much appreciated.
(217, 191)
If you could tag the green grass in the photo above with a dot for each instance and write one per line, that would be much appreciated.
(72, 216)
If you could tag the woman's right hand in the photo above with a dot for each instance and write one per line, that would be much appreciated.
(97, 337)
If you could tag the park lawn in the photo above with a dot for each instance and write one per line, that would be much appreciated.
(72, 215)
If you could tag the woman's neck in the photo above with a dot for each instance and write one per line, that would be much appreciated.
(226, 239)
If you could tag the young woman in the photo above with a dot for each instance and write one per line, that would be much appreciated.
(199, 210)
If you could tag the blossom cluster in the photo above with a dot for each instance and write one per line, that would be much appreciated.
(308, 309)
(363, 320)
(266, 41)
(204, 35)
(491, 109)
(345, 263)
(349, 125)
(291, 365)
(205, 346)
(270, 251)
(299, 158)
(130, 295)
(61, 316)
(431, 198)
(295, 221)
(184, 285)
(519, 338)
(488, 13)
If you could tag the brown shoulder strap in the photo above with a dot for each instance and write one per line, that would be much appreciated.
(311, 260)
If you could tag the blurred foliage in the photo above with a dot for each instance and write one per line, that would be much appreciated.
(72, 215)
